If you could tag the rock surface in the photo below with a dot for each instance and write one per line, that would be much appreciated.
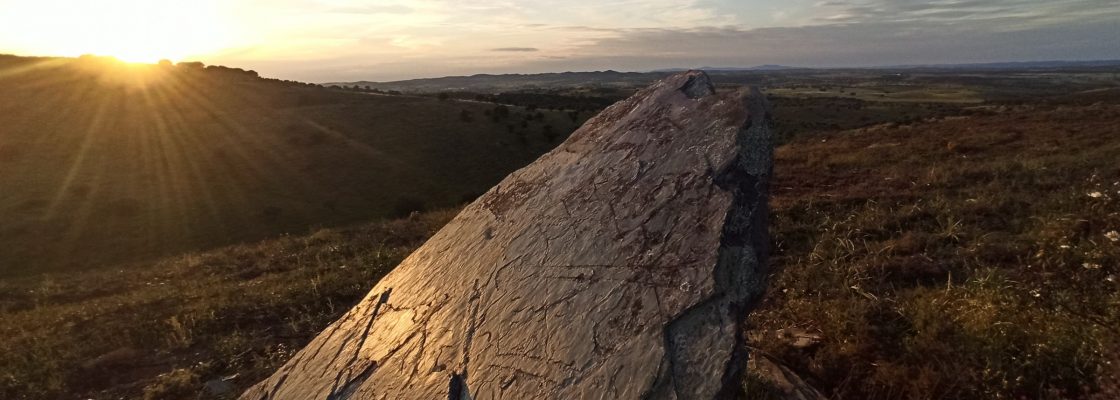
(619, 265)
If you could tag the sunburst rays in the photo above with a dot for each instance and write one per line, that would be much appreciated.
(165, 152)
(118, 162)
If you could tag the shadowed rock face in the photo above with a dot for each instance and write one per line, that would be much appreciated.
(619, 265)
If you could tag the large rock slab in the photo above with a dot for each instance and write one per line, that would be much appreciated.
(620, 265)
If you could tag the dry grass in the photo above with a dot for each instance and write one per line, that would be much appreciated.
(965, 257)
(164, 329)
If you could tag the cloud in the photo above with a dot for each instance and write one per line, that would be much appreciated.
(957, 12)
(516, 49)
(375, 9)
(847, 45)
(445, 37)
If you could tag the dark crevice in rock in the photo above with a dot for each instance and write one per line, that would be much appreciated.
(739, 274)
(279, 383)
(346, 381)
(458, 386)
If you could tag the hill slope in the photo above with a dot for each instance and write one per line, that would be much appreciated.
(171, 159)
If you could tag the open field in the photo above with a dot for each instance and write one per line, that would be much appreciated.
(946, 94)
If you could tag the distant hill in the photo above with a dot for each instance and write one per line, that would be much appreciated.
(530, 82)
(1058, 64)
(487, 83)
(103, 162)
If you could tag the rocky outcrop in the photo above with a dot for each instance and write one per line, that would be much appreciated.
(619, 265)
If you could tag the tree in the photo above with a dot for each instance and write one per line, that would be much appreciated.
(191, 65)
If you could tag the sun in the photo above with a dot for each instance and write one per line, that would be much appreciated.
(130, 30)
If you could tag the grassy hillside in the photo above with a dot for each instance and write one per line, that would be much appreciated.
(103, 162)
(958, 257)
(161, 330)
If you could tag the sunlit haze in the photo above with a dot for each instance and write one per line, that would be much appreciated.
(131, 30)
(339, 40)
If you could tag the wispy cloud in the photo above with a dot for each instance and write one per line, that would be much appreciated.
(516, 49)
(374, 9)
(1008, 13)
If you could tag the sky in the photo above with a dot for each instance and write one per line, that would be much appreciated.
(350, 40)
